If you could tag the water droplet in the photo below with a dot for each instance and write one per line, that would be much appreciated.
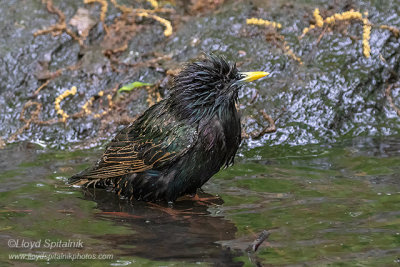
(355, 214)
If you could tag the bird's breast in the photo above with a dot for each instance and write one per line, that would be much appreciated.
(220, 136)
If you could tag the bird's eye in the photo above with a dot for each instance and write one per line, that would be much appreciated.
(219, 86)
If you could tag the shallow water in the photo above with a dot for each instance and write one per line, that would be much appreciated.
(322, 204)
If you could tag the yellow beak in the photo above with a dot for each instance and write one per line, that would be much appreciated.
(252, 76)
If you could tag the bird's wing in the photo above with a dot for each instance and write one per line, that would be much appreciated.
(149, 143)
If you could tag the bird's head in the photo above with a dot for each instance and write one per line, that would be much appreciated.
(206, 85)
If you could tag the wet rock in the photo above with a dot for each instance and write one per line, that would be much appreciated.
(336, 92)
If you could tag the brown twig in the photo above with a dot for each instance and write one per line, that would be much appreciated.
(40, 88)
(34, 116)
(321, 35)
(395, 31)
(254, 97)
(60, 26)
(104, 8)
(256, 243)
(270, 129)
(389, 97)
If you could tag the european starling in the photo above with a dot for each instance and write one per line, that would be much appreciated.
(176, 145)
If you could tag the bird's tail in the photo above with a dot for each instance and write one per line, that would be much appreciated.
(86, 179)
(83, 178)
(78, 179)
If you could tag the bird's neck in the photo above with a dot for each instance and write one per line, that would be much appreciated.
(194, 111)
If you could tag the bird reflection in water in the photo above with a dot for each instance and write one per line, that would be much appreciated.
(185, 231)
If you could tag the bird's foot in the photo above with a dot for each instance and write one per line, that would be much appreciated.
(204, 201)
(173, 212)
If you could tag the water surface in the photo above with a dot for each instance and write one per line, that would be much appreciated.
(322, 204)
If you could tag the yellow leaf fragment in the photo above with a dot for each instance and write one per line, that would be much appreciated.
(263, 22)
(348, 15)
(166, 23)
(153, 3)
(58, 100)
(319, 21)
(366, 37)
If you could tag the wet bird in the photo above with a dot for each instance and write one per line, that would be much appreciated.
(176, 145)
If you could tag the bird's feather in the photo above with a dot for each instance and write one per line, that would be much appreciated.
(156, 139)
